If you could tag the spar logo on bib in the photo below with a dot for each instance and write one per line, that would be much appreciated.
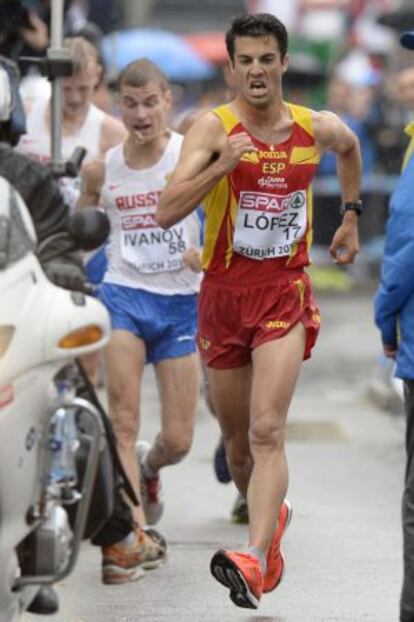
(264, 202)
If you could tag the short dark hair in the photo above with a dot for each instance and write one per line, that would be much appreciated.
(139, 72)
(257, 25)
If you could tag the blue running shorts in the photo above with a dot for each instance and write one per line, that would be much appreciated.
(167, 324)
(96, 265)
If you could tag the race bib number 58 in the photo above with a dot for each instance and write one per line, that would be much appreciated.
(268, 225)
(152, 249)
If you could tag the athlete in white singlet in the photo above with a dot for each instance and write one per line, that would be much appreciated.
(142, 255)
(83, 124)
(149, 290)
(36, 143)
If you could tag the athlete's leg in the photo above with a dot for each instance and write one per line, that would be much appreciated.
(125, 360)
(230, 392)
(178, 382)
(91, 365)
(276, 366)
(205, 389)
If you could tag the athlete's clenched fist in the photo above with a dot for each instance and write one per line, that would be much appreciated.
(234, 148)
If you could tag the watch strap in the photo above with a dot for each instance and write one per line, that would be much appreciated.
(352, 206)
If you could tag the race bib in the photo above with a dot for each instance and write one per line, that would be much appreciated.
(148, 247)
(268, 225)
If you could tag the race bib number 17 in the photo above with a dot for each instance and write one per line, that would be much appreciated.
(268, 225)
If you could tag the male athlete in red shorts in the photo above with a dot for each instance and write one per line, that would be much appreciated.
(251, 163)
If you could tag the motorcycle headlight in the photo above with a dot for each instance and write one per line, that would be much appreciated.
(84, 336)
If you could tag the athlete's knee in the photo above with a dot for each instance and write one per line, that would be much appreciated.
(267, 433)
(125, 419)
(238, 453)
(120, 396)
(126, 429)
(177, 447)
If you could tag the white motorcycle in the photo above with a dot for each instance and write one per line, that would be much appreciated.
(42, 328)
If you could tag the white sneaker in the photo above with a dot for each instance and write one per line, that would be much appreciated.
(151, 493)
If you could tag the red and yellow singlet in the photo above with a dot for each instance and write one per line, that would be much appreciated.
(259, 216)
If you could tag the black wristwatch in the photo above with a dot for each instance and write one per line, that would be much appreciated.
(352, 206)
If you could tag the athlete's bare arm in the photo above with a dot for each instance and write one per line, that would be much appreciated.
(113, 133)
(93, 175)
(332, 134)
(207, 154)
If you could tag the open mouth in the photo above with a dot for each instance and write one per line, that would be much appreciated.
(142, 127)
(257, 87)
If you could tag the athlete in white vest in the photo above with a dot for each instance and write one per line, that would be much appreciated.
(149, 289)
(83, 124)
(36, 142)
(141, 254)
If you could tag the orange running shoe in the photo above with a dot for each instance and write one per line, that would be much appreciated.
(241, 573)
(123, 562)
(275, 560)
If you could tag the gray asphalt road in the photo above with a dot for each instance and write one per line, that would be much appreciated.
(343, 548)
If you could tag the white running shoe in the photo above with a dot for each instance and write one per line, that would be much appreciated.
(151, 492)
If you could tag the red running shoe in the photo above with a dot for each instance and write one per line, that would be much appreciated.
(151, 490)
(275, 560)
(241, 573)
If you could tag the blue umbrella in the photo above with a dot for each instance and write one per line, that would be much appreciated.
(169, 51)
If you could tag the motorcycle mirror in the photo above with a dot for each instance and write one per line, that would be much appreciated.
(88, 228)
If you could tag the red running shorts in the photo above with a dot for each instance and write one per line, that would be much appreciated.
(234, 319)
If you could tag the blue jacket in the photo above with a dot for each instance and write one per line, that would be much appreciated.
(394, 300)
